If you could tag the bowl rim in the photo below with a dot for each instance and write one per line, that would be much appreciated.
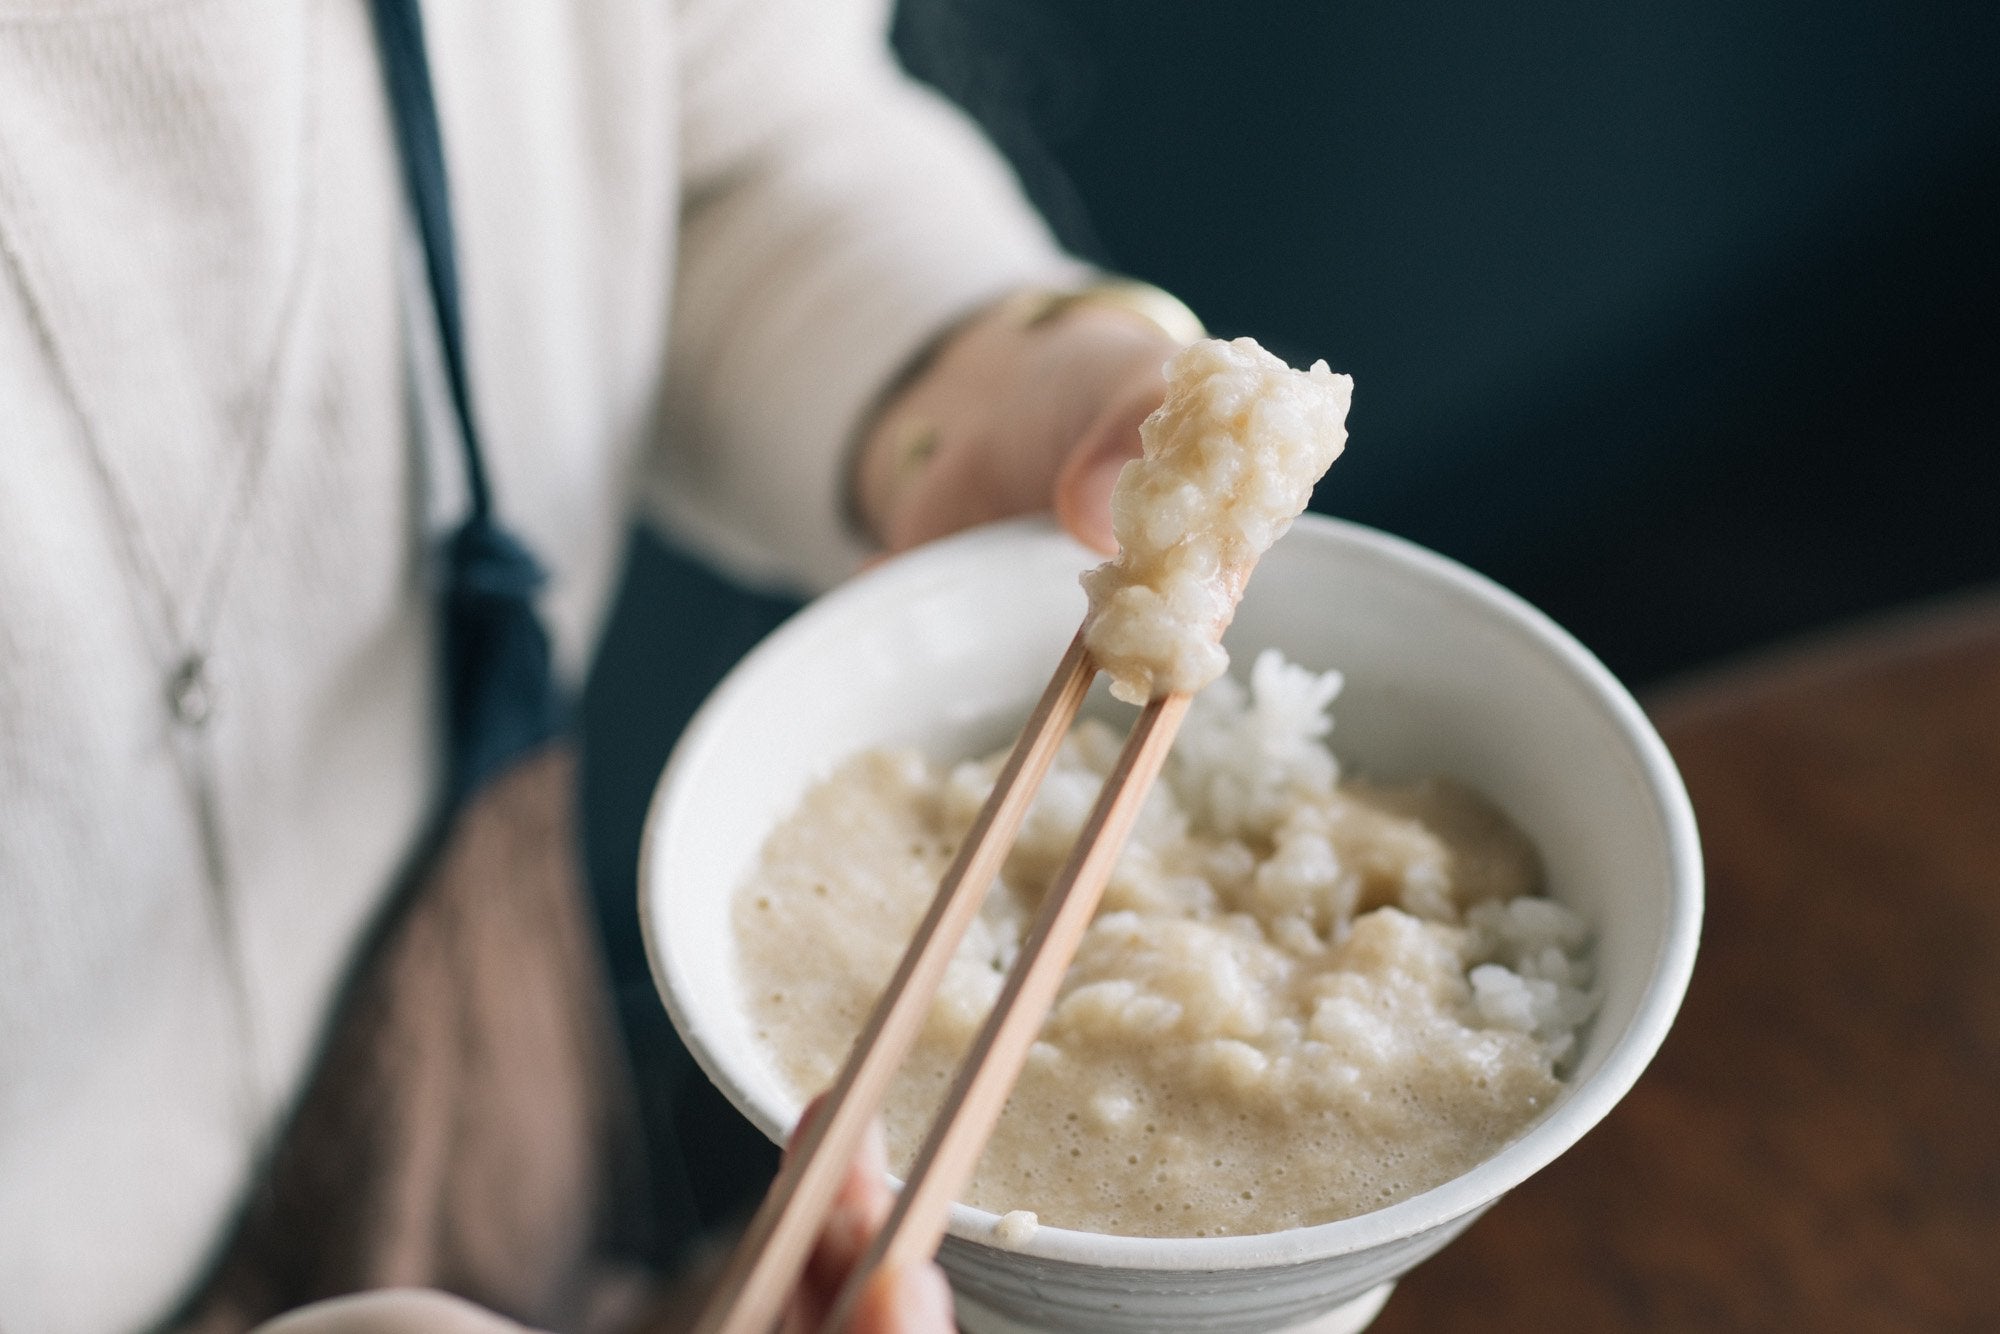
(1586, 1104)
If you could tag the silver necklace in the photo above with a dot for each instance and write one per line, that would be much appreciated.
(181, 632)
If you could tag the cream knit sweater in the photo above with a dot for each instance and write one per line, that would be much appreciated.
(695, 241)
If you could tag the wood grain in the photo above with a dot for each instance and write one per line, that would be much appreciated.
(1817, 1146)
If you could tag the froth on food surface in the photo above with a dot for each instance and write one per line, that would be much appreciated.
(1230, 460)
(1302, 998)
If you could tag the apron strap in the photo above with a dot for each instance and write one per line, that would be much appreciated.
(499, 681)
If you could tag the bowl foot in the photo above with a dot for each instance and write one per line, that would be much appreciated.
(1350, 1317)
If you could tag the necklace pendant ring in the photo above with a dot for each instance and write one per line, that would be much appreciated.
(189, 692)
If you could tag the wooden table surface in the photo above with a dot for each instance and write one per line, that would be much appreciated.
(1817, 1146)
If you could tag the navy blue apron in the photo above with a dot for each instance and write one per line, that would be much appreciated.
(502, 697)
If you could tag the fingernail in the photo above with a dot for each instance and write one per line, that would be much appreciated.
(930, 1294)
(912, 1300)
(1089, 515)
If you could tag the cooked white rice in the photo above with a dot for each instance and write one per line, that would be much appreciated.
(1230, 460)
(1303, 998)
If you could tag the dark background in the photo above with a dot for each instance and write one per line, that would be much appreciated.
(1678, 319)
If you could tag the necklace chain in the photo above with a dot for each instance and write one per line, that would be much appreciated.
(181, 632)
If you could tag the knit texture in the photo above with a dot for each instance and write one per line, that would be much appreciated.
(693, 244)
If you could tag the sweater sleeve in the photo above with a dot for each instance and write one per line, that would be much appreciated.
(835, 217)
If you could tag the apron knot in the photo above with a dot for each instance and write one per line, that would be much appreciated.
(498, 667)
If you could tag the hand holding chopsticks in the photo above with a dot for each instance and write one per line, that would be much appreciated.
(1158, 611)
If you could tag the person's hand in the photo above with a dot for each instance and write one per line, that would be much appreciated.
(914, 1300)
(1010, 417)
(392, 1311)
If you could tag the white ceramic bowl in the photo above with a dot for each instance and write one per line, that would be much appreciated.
(1446, 674)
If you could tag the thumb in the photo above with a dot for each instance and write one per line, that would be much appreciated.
(911, 1300)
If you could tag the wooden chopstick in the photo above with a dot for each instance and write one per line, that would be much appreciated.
(765, 1267)
(979, 1092)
